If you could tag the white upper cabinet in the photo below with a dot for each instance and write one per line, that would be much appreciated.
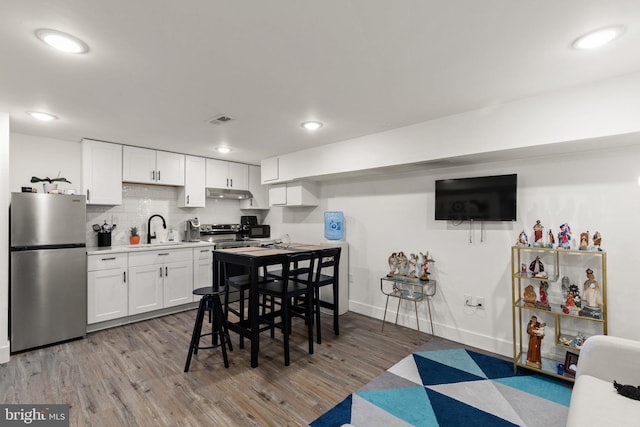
(193, 194)
(230, 175)
(102, 172)
(293, 194)
(146, 166)
(260, 199)
(270, 170)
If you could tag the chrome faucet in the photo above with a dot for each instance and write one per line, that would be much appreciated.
(164, 225)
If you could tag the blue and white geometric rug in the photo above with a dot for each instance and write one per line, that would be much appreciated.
(454, 387)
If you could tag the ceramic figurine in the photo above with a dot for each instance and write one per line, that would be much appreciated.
(535, 329)
(523, 240)
(573, 302)
(591, 294)
(523, 269)
(529, 297)
(552, 240)
(544, 302)
(413, 262)
(425, 260)
(393, 264)
(564, 236)
(584, 240)
(537, 268)
(537, 234)
(597, 240)
(402, 264)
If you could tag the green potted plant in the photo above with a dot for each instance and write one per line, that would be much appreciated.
(48, 183)
(134, 239)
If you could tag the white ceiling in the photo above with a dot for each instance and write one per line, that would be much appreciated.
(159, 69)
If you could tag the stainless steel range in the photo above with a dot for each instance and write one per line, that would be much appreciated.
(226, 236)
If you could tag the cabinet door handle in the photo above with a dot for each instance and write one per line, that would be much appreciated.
(160, 271)
(227, 182)
(204, 250)
(166, 271)
(88, 195)
(187, 199)
(124, 276)
(158, 175)
(231, 182)
(153, 175)
(165, 254)
(108, 259)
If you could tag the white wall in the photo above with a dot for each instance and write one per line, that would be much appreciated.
(42, 157)
(5, 198)
(595, 191)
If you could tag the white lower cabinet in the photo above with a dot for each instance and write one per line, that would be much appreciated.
(178, 283)
(159, 279)
(202, 268)
(107, 287)
(145, 288)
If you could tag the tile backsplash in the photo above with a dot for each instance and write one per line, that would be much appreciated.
(139, 202)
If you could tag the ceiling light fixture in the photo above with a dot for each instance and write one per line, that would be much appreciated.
(311, 125)
(45, 117)
(598, 38)
(223, 150)
(62, 41)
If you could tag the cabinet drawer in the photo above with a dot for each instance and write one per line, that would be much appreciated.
(106, 262)
(202, 254)
(159, 257)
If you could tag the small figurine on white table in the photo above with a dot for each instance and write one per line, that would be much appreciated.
(393, 264)
(425, 260)
(584, 240)
(413, 262)
(403, 263)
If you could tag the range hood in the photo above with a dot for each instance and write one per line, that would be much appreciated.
(227, 193)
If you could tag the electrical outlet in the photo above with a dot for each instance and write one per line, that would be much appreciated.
(480, 302)
(468, 301)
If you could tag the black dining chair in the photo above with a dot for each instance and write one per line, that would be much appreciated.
(328, 258)
(292, 283)
(209, 303)
(236, 291)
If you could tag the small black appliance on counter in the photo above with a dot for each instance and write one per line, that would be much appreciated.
(250, 229)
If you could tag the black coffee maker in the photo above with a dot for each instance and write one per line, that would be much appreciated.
(247, 221)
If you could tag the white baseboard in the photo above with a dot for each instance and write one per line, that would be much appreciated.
(407, 319)
(5, 351)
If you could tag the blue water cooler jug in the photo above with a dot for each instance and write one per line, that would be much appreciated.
(334, 225)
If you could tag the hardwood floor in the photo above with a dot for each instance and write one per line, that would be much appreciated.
(133, 375)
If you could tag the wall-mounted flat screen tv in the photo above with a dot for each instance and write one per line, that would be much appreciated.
(486, 198)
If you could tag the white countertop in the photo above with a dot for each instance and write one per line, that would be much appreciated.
(93, 250)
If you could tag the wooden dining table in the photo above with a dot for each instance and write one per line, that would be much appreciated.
(254, 258)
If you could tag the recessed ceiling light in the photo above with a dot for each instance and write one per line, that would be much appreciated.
(311, 125)
(62, 41)
(45, 117)
(597, 38)
(223, 150)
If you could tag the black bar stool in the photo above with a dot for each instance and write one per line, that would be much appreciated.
(210, 302)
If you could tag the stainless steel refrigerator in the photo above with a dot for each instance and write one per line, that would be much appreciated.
(48, 293)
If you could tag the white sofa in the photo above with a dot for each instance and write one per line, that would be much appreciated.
(594, 400)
